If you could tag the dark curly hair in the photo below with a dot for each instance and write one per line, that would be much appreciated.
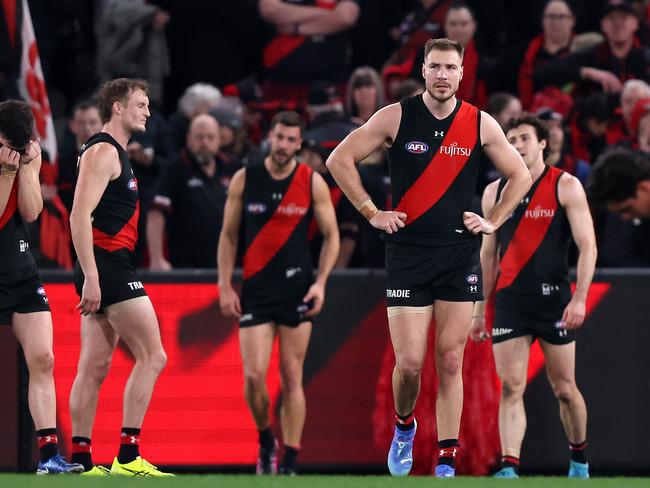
(16, 122)
(615, 175)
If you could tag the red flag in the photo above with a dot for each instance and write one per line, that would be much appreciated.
(31, 85)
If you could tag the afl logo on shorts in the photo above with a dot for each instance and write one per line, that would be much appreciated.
(472, 279)
(133, 184)
(41, 291)
(256, 208)
(416, 147)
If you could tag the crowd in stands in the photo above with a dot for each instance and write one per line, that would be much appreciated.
(583, 67)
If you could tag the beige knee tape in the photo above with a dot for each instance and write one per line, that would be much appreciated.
(396, 311)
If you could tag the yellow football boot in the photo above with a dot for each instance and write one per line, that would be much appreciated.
(137, 467)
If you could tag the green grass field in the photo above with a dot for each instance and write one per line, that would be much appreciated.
(244, 481)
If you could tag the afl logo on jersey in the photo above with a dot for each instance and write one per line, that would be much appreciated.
(133, 184)
(256, 208)
(472, 279)
(416, 147)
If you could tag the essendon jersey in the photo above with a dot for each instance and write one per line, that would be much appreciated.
(16, 260)
(276, 216)
(534, 242)
(115, 219)
(433, 168)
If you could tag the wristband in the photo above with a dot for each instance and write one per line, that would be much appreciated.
(368, 209)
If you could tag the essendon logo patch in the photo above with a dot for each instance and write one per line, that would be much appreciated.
(133, 184)
(416, 147)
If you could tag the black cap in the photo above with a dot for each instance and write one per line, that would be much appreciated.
(321, 93)
(617, 6)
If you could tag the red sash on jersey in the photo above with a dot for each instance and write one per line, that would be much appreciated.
(275, 233)
(12, 204)
(530, 232)
(443, 169)
(127, 237)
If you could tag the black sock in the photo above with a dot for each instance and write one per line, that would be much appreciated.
(47, 443)
(82, 452)
(405, 422)
(129, 445)
(267, 440)
(510, 462)
(447, 450)
(579, 452)
(289, 460)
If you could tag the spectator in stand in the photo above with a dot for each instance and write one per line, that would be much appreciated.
(460, 25)
(620, 183)
(594, 125)
(309, 42)
(504, 107)
(606, 66)
(149, 152)
(423, 23)
(327, 128)
(550, 46)
(364, 95)
(407, 89)
(131, 42)
(236, 149)
(84, 123)
(197, 99)
(190, 199)
(635, 107)
(557, 151)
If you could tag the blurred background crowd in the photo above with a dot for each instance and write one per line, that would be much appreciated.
(220, 70)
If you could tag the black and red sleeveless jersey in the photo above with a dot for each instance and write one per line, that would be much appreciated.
(433, 168)
(16, 260)
(276, 216)
(534, 242)
(115, 219)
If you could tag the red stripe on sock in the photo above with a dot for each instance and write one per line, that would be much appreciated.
(578, 447)
(47, 439)
(131, 439)
(81, 447)
(510, 459)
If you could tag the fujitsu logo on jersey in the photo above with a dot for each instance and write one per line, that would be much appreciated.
(454, 150)
(416, 147)
(540, 213)
(291, 209)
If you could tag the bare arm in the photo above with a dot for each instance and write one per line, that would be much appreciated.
(281, 14)
(97, 167)
(509, 163)
(9, 160)
(30, 199)
(489, 265)
(572, 197)
(155, 232)
(357, 146)
(348, 243)
(326, 220)
(343, 17)
(227, 248)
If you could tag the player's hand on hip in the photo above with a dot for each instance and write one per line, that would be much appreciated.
(91, 297)
(389, 221)
(229, 303)
(574, 314)
(477, 331)
(316, 293)
(477, 224)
